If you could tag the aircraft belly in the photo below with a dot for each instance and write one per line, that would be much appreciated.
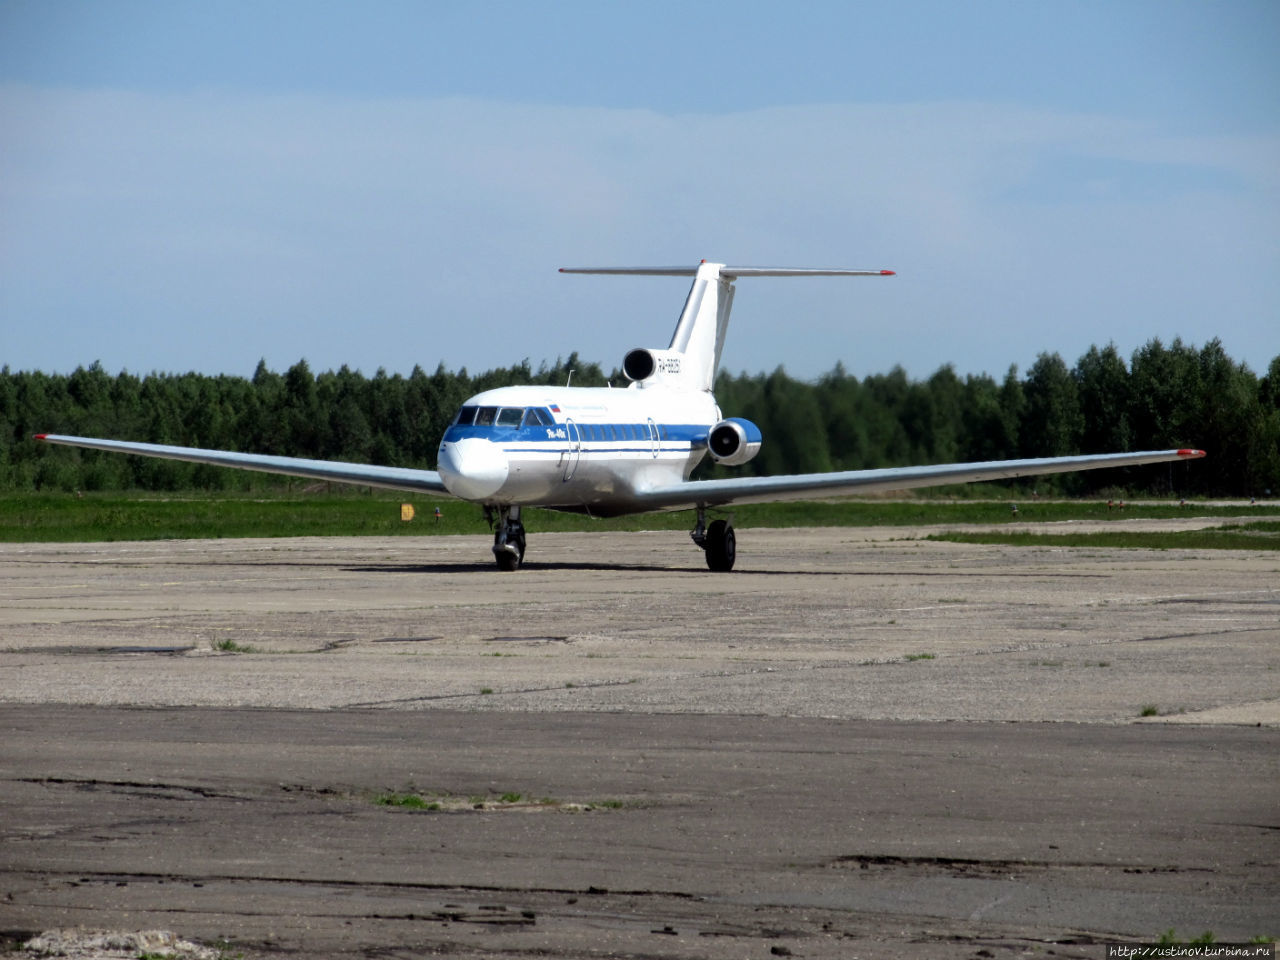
(600, 476)
(532, 477)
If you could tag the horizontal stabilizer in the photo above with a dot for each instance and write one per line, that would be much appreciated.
(732, 273)
(700, 331)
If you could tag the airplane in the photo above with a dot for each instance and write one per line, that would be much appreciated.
(607, 452)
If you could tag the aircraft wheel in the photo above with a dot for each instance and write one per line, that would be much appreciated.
(722, 546)
(508, 561)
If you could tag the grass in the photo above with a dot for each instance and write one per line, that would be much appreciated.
(1262, 535)
(230, 646)
(1170, 939)
(409, 801)
(61, 517)
(912, 657)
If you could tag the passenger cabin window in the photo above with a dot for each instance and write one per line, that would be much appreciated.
(510, 416)
(466, 416)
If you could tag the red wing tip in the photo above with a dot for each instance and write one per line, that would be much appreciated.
(888, 273)
(1194, 454)
(41, 436)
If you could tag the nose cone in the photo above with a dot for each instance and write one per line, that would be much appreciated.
(472, 468)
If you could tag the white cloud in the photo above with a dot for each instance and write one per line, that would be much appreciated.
(203, 232)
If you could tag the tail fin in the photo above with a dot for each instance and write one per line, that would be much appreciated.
(700, 331)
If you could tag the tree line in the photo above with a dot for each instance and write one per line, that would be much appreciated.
(1162, 397)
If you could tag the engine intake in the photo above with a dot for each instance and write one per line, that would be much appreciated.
(734, 441)
(646, 366)
(639, 364)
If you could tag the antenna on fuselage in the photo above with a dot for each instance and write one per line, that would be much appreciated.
(570, 379)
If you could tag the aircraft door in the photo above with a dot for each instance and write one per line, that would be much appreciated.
(653, 437)
(574, 453)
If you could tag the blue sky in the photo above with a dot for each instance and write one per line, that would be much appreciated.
(199, 185)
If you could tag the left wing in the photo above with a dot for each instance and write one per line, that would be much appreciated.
(363, 474)
(805, 486)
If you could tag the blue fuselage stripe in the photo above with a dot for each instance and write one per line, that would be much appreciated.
(538, 438)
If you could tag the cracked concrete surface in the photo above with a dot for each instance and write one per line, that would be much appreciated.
(856, 744)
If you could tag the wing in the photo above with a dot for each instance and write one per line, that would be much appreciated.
(389, 478)
(805, 486)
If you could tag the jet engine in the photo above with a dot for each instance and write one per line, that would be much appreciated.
(734, 441)
(642, 364)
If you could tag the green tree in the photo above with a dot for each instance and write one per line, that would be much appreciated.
(985, 431)
(1051, 422)
(1163, 383)
(840, 398)
(1102, 381)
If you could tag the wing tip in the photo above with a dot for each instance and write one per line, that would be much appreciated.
(40, 436)
(1188, 454)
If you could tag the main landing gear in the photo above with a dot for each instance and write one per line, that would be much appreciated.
(718, 540)
(508, 537)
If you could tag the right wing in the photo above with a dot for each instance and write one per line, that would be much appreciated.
(808, 486)
(363, 474)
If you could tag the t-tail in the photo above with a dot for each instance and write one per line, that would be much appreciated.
(693, 357)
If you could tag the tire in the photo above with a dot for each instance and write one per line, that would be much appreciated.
(722, 546)
(508, 561)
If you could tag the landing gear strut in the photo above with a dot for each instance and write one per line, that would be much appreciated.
(717, 539)
(508, 537)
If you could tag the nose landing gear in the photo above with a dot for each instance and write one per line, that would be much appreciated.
(508, 537)
(718, 540)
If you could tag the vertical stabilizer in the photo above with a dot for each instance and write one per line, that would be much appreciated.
(700, 331)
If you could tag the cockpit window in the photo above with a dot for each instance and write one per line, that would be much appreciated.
(510, 416)
(535, 416)
(504, 417)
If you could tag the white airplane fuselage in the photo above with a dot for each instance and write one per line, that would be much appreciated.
(584, 449)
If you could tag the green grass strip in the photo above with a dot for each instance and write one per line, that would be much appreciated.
(1252, 536)
(58, 517)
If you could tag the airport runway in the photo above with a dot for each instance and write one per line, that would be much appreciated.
(859, 744)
